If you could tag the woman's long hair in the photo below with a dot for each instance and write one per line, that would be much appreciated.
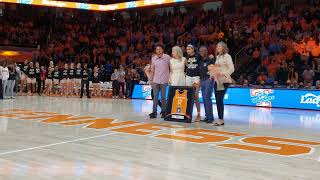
(178, 50)
(225, 49)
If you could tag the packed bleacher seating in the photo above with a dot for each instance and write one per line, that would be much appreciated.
(276, 49)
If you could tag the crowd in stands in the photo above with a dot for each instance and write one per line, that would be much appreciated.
(286, 53)
(274, 49)
(23, 29)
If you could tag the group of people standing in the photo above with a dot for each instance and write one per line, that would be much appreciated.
(50, 80)
(192, 70)
(124, 80)
(8, 77)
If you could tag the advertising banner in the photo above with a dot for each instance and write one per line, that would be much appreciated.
(280, 98)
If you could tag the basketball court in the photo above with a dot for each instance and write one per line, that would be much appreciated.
(72, 138)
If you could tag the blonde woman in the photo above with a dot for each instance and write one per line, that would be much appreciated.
(222, 78)
(177, 66)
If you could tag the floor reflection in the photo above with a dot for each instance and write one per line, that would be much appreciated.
(250, 116)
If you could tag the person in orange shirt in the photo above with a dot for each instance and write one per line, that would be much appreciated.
(220, 35)
(256, 54)
(311, 44)
(315, 52)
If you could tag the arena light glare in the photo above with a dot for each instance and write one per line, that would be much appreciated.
(9, 53)
(94, 7)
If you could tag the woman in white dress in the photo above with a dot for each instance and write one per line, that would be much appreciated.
(177, 67)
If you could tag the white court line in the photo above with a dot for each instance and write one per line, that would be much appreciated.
(54, 144)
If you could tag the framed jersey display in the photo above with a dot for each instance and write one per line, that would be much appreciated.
(180, 104)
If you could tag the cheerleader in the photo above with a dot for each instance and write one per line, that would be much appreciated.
(78, 78)
(72, 80)
(43, 76)
(24, 76)
(96, 81)
(65, 80)
(38, 78)
(56, 80)
(49, 82)
(31, 80)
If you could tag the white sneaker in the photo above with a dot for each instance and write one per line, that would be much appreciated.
(13, 97)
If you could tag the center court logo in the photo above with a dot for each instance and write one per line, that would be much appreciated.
(262, 97)
(310, 98)
(180, 133)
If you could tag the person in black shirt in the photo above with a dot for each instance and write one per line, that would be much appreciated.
(193, 74)
(71, 83)
(38, 78)
(135, 81)
(115, 84)
(85, 80)
(11, 81)
(18, 77)
(206, 83)
(56, 80)
(65, 79)
(129, 80)
(78, 78)
(43, 77)
(96, 81)
(24, 75)
(31, 80)
(49, 81)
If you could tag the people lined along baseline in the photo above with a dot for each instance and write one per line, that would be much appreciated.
(176, 70)
(72, 80)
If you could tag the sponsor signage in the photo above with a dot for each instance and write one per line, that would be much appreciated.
(280, 98)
